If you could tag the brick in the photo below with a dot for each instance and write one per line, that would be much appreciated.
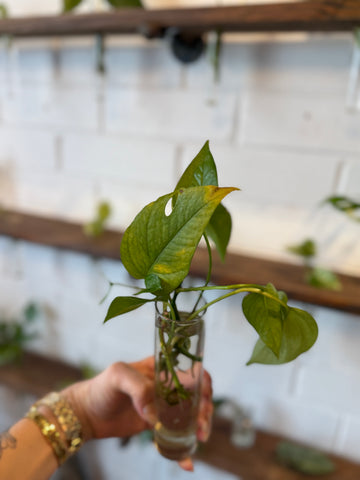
(272, 177)
(44, 194)
(351, 438)
(28, 150)
(44, 105)
(302, 121)
(267, 63)
(36, 7)
(168, 114)
(300, 421)
(76, 65)
(337, 389)
(145, 65)
(312, 64)
(349, 183)
(338, 335)
(34, 63)
(135, 163)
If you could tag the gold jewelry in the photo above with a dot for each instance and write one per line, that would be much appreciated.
(50, 433)
(67, 419)
(70, 439)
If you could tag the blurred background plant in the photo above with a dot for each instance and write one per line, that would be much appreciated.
(15, 333)
(97, 226)
(308, 249)
(69, 5)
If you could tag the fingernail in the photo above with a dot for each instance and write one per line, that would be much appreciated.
(187, 464)
(149, 413)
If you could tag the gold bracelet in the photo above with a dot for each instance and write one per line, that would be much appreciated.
(50, 433)
(68, 422)
(67, 419)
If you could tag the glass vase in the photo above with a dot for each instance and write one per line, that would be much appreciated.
(178, 376)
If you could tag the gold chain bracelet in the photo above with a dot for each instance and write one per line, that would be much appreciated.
(66, 419)
(50, 433)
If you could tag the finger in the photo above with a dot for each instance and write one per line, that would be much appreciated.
(205, 410)
(187, 464)
(206, 389)
(204, 422)
(137, 386)
(145, 366)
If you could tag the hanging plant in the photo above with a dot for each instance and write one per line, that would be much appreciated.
(69, 5)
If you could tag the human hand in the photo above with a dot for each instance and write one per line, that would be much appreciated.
(119, 402)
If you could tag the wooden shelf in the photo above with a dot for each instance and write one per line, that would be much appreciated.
(237, 268)
(38, 375)
(314, 15)
(259, 461)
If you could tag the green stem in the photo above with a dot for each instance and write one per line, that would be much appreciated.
(192, 357)
(169, 365)
(240, 288)
(208, 277)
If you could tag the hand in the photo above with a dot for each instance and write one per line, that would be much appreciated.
(120, 402)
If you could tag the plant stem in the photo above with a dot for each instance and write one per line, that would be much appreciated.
(240, 288)
(208, 277)
(169, 365)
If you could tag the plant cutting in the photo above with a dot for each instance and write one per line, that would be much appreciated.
(158, 247)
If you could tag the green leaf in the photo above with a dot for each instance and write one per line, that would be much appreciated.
(121, 305)
(125, 3)
(346, 205)
(202, 171)
(103, 211)
(31, 311)
(153, 283)
(266, 315)
(299, 333)
(156, 243)
(219, 230)
(357, 36)
(304, 459)
(305, 249)
(70, 4)
(322, 278)
(3, 11)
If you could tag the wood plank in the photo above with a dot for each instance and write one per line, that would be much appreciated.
(319, 15)
(238, 268)
(259, 461)
(38, 375)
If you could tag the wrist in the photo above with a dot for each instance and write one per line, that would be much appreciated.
(74, 395)
(59, 425)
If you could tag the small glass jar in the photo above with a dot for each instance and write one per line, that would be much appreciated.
(178, 376)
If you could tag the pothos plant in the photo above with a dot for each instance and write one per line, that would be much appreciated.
(158, 247)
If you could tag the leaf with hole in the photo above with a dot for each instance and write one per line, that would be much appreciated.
(164, 245)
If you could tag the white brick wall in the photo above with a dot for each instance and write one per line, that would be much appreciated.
(278, 129)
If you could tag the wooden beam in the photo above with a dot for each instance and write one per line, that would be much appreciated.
(38, 375)
(238, 268)
(313, 15)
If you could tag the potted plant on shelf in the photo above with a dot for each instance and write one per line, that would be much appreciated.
(158, 247)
